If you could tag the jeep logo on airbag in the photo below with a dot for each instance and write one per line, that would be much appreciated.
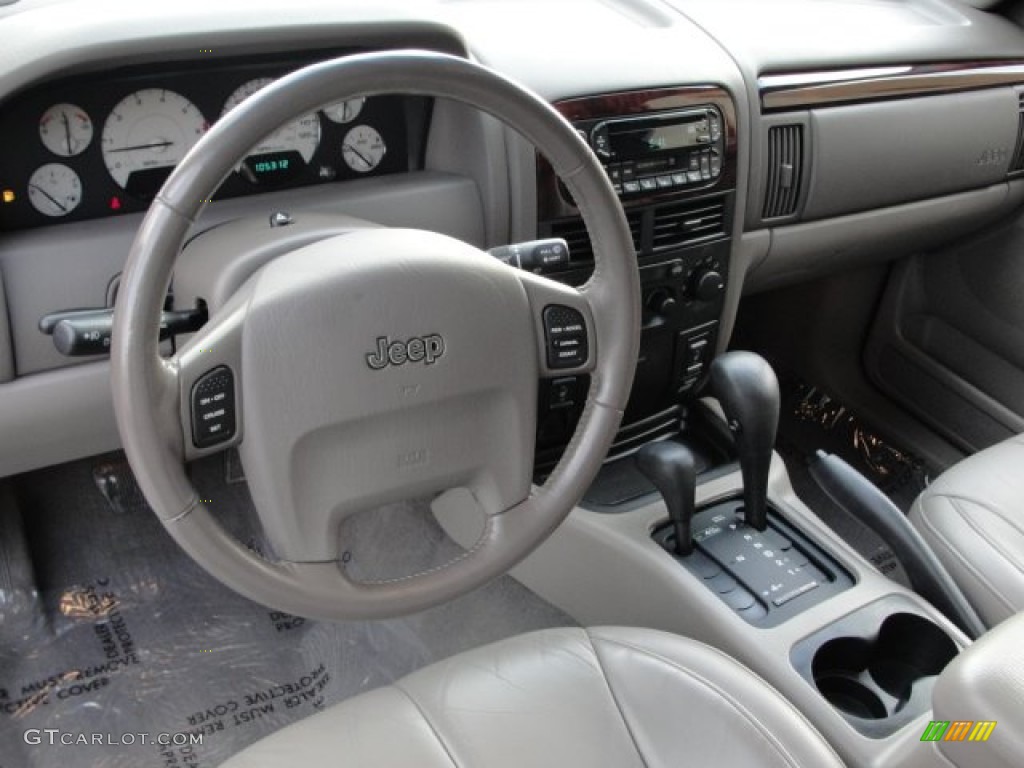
(425, 349)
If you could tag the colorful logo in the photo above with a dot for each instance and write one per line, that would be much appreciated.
(958, 730)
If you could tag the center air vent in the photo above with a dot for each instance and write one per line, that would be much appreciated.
(576, 237)
(784, 170)
(1017, 164)
(686, 222)
(654, 230)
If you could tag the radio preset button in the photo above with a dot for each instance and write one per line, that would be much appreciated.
(664, 182)
(678, 179)
(631, 187)
(648, 183)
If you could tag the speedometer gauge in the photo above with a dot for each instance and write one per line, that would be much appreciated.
(283, 153)
(145, 136)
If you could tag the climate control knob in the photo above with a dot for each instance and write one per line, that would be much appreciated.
(662, 303)
(707, 285)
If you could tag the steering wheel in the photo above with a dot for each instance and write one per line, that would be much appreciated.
(376, 365)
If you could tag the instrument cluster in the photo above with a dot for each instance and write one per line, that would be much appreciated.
(88, 147)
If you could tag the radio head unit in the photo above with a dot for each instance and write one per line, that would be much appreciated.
(663, 151)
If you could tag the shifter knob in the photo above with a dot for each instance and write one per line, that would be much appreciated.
(748, 391)
(673, 470)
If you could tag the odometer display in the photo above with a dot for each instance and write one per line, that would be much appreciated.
(275, 166)
(283, 153)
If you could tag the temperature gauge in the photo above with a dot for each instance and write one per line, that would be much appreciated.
(363, 148)
(65, 130)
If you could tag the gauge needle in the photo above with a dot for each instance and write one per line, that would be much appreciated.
(358, 154)
(48, 196)
(67, 129)
(154, 145)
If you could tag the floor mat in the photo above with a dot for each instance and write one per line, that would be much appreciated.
(812, 420)
(120, 641)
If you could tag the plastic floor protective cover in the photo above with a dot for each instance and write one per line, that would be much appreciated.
(109, 632)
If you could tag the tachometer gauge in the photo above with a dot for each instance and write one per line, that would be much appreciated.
(363, 148)
(145, 136)
(286, 151)
(54, 190)
(344, 111)
(65, 130)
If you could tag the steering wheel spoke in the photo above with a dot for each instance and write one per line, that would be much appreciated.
(209, 371)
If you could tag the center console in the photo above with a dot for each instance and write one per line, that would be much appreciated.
(671, 156)
(732, 557)
(693, 526)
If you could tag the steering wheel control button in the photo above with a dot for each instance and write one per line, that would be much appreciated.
(563, 393)
(566, 335)
(213, 407)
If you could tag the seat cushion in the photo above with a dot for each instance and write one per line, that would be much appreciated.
(566, 697)
(973, 517)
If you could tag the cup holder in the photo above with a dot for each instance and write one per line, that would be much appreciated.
(878, 677)
(852, 697)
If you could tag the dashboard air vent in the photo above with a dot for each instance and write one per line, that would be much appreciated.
(576, 237)
(1017, 164)
(686, 222)
(785, 170)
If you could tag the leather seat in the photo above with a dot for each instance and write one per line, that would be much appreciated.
(973, 517)
(565, 697)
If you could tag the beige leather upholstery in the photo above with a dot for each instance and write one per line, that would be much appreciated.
(973, 517)
(566, 697)
(986, 682)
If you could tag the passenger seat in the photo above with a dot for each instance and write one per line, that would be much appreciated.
(973, 517)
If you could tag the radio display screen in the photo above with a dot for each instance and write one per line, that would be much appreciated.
(627, 143)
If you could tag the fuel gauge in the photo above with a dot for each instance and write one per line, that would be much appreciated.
(54, 190)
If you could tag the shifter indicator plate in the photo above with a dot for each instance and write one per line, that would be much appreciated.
(771, 575)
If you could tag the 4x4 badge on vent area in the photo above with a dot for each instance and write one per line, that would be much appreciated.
(425, 349)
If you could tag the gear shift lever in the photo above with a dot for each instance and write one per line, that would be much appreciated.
(748, 391)
(672, 469)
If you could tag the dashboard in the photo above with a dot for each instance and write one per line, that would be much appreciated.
(90, 147)
(785, 147)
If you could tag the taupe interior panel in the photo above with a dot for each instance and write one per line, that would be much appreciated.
(872, 155)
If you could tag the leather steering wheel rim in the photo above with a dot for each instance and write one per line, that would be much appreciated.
(147, 395)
